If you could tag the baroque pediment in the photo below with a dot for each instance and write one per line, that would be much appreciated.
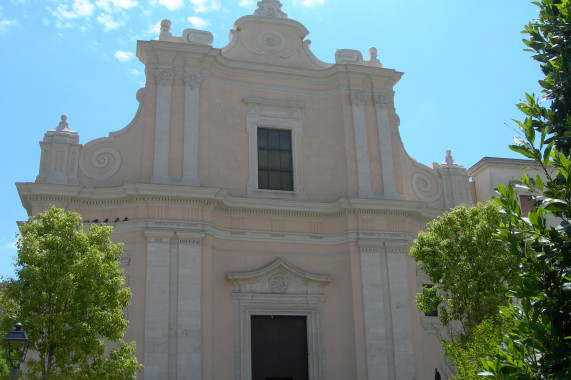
(279, 277)
(270, 37)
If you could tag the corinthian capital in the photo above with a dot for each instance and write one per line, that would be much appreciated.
(357, 97)
(164, 77)
(192, 80)
(380, 99)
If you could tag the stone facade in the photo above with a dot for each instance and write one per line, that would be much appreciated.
(208, 244)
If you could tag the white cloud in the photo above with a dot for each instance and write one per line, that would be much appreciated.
(80, 8)
(62, 13)
(136, 72)
(115, 5)
(108, 21)
(6, 25)
(201, 6)
(123, 56)
(311, 3)
(154, 30)
(83, 8)
(60, 25)
(198, 22)
(12, 245)
(171, 4)
(246, 3)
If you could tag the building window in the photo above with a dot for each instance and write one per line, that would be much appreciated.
(275, 167)
(433, 313)
(275, 134)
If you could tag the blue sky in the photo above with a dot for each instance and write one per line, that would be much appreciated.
(463, 62)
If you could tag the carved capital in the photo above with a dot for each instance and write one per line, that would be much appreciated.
(380, 100)
(192, 80)
(357, 97)
(165, 77)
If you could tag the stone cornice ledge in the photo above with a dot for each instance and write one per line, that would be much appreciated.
(220, 199)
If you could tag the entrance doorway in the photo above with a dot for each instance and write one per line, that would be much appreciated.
(279, 347)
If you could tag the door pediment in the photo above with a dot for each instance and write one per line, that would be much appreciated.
(279, 277)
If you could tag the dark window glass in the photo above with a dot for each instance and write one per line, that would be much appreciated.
(275, 166)
(263, 159)
(262, 138)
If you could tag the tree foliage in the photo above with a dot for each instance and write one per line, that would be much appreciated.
(537, 340)
(461, 255)
(69, 294)
(466, 356)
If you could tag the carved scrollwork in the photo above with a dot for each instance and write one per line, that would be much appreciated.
(108, 159)
(422, 185)
(140, 94)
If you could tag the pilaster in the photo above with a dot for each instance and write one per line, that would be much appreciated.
(388, 336)
(191, 101)
(188, 306)
(401, 327)
(377, 314)
(157, 289)
(164, 80)
(385, 146)
(361, 148)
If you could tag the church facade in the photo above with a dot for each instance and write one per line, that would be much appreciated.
(267, 207)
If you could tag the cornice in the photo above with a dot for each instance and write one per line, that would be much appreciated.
(214, 59)
(496, 162)
(152, 50)
(219, 201)
(183, 229)
(259, 69)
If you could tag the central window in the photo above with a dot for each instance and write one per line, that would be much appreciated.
(275, 165)
(275, 135)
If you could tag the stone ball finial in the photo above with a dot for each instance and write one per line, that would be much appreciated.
(63, 126)
(448, 152)
(166, 28)
(373, 55)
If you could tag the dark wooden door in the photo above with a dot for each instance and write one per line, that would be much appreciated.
(279, 347)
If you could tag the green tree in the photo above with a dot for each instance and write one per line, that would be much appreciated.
(69, 294)
(462, 256)
(537, 340)
(466, 356)
(4, 366)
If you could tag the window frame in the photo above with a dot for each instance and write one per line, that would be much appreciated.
(273, 114)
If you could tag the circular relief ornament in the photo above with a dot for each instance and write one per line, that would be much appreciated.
(278, 283)
(271, 42)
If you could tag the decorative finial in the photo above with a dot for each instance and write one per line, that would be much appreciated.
(449, 160)
(270, 8)
(166, 28)
(63, 126)
(373, 55)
